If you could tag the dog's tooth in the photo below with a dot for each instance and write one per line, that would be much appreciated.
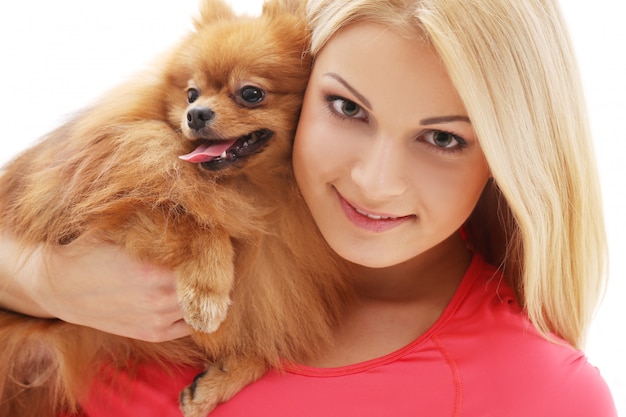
(223, 155)
(245, 144)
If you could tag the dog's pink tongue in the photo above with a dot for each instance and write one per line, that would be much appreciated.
(207, 151)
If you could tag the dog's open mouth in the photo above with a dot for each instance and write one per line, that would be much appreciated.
(217, 154)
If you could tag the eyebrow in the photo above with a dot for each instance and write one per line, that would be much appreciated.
(445, 119)
(366, 103)
(353, 90)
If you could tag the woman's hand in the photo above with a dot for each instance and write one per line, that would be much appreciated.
(94, 284)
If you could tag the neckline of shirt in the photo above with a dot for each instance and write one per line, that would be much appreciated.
(473, 271)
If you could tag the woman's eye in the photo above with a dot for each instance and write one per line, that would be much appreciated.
(347, 108)
(192, 95)
(444, 140)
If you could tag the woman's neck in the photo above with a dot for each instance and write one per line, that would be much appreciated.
(439, 270)
(394, 306)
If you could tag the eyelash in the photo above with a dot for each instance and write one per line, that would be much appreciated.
(461, 143)
(332, 100)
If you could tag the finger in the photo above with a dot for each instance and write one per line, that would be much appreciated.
(176, 330)
(179, 329)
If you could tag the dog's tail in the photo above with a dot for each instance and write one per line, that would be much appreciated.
(47, 366)
(35, 367)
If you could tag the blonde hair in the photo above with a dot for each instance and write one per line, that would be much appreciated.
(513, 65)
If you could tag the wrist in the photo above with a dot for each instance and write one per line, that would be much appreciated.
(21, 276)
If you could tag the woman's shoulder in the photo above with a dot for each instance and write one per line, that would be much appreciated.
(499, 355)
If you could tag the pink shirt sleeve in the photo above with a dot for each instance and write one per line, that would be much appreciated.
(152, 391)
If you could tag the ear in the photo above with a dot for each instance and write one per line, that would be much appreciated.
(277, 7)
(213, 11)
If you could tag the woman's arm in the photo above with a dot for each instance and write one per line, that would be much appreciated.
(93, 284)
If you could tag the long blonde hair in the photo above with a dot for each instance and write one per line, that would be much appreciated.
(513, 65)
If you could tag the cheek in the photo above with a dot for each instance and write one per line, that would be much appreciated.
(303, 153)
(314, 149)
(300, 144)
(448, 187)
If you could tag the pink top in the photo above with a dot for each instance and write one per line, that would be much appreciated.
(481, 358)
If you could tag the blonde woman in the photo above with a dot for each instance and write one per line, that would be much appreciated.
(443, 149)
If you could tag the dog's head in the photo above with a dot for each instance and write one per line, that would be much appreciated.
(238, 84)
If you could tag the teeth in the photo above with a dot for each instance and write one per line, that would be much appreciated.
(251, 139)
(373, 216)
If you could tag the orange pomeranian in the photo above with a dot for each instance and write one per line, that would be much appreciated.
(187, 166)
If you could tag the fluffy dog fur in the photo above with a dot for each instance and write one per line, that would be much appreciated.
(234, 228)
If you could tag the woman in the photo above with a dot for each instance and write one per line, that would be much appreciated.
(436, 138)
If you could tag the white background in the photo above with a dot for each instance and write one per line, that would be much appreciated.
(58, 56)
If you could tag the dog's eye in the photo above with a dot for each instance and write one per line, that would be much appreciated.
(192, 95)
(252, 95)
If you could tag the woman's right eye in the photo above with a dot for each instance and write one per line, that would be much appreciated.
(345, 108)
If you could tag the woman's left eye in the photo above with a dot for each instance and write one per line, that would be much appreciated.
(346, 108)
(444, 140)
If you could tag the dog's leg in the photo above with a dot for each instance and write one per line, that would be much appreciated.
(205, 281)
(220, 382)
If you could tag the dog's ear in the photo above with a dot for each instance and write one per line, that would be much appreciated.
(213, 11)
(276, 7)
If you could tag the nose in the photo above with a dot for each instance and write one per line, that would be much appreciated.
(379, 172)
(199, 116)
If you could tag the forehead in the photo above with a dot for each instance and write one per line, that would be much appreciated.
(263, 48)
(391, 68)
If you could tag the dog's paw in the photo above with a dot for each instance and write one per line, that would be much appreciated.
(205, 313)
(220, 382)
(201, 397)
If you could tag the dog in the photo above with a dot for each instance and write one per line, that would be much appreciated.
(187, 166)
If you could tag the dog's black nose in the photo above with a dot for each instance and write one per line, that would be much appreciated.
(198, 117)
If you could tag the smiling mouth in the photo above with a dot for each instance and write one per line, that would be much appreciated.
(368, 221)
(215, 155)
(374, 216)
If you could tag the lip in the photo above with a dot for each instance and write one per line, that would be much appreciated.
(381, 222)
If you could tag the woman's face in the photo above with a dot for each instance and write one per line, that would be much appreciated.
(385, 155)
